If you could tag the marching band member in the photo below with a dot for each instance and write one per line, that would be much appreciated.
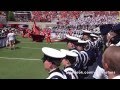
(68, 63)
(51, 60)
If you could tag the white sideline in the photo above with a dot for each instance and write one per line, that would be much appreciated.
(30, 48)
(42, 42)
(19, 58)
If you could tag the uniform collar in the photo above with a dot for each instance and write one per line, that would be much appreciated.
(54, 70)
(72, 49)
(67, 66)
(88, 40)
(71, 66)
(117, 77)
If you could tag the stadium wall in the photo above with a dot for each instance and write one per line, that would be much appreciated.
(39, 24)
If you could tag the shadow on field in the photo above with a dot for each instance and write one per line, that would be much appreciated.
(16, 41)
(17, 48)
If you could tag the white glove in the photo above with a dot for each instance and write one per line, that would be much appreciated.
(100, 73)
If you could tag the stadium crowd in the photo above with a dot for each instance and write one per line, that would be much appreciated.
(84, 17)
(97, 17)
(22, 16)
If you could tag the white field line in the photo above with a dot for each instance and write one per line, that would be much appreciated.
(41, 43)
(19, 58)
(30, 48)
(27, 48)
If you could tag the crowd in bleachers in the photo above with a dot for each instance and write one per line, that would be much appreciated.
(83, 20)
(2, 17)
(92, 16)
(21, 18)
(76, 20)
(69, 17)
(90, 19)
(2, 13)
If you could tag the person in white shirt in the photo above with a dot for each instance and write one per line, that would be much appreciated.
(11, 39)
(111, 62)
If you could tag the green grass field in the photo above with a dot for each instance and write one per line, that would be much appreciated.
(13, 67)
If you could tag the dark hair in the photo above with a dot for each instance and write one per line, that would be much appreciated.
(81, 44)
(116, 31)
(115, 39)
(55, 61)
(88, 34)
(72, 41)
(71, 59)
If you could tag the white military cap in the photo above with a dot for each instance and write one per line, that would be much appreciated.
(118, 44)
(71, 38)
(87, 31)
(54, 53)
(50, 27)
(93, 35)
(69, 53)
(82, 41)
(94, 38)
(12, 28)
